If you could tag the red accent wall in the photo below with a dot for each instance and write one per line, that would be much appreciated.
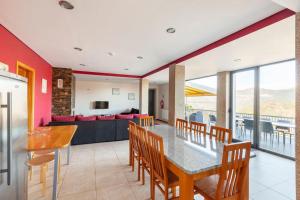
(12, 50)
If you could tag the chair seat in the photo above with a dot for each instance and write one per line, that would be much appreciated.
(207, 187)
(40, 160)
(43, 152)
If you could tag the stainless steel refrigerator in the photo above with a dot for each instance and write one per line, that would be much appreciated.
(13, 137)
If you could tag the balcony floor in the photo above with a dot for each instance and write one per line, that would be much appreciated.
(101, 172)
(276, 145)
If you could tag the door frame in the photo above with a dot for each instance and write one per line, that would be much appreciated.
(31, 92)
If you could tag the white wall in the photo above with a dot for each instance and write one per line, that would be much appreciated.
(163, 94)
(87, 92)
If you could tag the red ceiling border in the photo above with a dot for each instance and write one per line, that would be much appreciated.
(283, 14)
(105, 74)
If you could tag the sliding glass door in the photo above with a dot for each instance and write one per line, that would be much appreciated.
(243, 105)
(263, 107)
(277, 108)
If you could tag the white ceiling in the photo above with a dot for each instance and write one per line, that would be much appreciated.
(127, 28)
(271, 44)
(85, 77)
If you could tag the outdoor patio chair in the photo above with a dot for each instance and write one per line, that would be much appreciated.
(212, 119)
(196, 117)
(248, 125)
(266, 128)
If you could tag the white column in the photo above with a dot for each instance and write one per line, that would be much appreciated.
(176, 93)
(144, 92)
(297, 142)
(223, 99)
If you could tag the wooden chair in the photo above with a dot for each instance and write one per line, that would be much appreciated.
(142, 137)
(221, 134)
(146, 121)
(43, 162)
(181, 124)
(131, 130)
(229, 183)
(198, 129)
(160, 177)
(136, 154)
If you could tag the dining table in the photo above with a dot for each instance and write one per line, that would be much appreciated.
(191, 158)
(52, 138)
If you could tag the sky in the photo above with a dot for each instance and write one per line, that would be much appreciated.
(275, 76)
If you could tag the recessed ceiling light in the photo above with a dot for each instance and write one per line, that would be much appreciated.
(78, 49)
(82, 65)
(126, 69)
(66, 5)
(139, 57)
(237, 60)
(111, 53)
(171, 30)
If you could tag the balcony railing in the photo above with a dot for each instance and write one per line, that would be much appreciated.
(279, 137)
(270, 118)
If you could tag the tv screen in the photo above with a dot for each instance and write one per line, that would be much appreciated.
(101, 105)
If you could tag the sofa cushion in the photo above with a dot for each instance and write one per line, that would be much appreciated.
(63, 118)
(134, 111)
(107, 117)
(140, 115)
(87, 118)
(130, 116)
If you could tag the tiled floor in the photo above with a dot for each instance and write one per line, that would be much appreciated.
(100, 171)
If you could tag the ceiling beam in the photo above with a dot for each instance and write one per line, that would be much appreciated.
(234, 36)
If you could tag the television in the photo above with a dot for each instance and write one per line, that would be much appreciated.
(101, 105)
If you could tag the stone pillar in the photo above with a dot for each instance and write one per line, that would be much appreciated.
(223, 99)
(297, 142)
(61, 97)
(144, 92)
(176, 93)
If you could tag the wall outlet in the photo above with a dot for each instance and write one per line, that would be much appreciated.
(3, 67)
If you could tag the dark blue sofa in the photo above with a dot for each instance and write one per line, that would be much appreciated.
(98, 131)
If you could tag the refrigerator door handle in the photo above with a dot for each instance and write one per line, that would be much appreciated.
(9, 145)
(9, 135)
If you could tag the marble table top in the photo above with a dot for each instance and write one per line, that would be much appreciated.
(191, 154)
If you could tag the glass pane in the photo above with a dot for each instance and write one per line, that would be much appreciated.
(243, 105)
(277, 108)
(201, 100)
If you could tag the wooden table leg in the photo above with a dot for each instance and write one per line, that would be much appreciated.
(186, 184)
(245, 191)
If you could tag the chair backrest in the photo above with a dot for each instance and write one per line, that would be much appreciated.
(235, 163)
(198, 129)
(181, 124)
(158, 163)
(142, 138)
(146, 121)
(133, 135)
(248, 124)
(221, 134)
(212, 118)
(266, 127)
